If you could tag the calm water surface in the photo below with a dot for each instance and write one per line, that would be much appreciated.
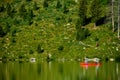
(58, 71)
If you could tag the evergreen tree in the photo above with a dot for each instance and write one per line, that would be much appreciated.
(35, 7)
(65, 9)
(81, 33)
(28, 0)
(22, 11)
(2, 33)
(96, 11)
(2, 8)
(30, 14)
(7, 28)
(58, 4)
(82, 12)
(8, 9)
(45, 3)
(39, 49)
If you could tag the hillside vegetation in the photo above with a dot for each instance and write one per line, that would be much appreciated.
(62, 28)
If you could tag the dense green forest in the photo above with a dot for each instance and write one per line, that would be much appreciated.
(66, 29)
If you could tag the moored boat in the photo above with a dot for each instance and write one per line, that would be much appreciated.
(84, 64)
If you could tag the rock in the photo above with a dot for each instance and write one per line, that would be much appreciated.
(111, 59)
(32, 59)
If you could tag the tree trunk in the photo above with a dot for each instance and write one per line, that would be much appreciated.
(113, 15)
(118, 19)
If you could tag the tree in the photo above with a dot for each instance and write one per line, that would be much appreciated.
(2, 33)
(7, 28)
(96, 11)
(118, 19)
(112, 9)
(30, 14)
(8, 9)
(39, 49)
(58, 5)
(35, 7)
(2, 8)
(81, 33)
(82, 12)
(22, 11)
(65, 9)
(45, 3)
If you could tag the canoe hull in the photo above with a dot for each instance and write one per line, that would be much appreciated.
(83, 64)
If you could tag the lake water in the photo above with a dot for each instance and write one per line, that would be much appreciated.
(58, 71)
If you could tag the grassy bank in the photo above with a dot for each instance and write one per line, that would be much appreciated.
(39, 31)
(60, 42)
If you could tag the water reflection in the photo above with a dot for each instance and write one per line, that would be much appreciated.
(59, 71)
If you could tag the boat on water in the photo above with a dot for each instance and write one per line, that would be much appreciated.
(84, 64)
(90, 62)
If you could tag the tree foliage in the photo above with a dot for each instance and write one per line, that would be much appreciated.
(2, 8)
(58, 5)
(9, 9)
(2, 33)
(96, 10)
(82, 33)
(22, 11)
(82, 11)
(45, 3)
(35, 7)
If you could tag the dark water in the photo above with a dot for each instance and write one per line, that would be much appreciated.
(59, 71)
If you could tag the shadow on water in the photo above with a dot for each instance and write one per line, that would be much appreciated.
(59, 71)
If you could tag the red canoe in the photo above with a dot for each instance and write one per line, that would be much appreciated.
(83, 64)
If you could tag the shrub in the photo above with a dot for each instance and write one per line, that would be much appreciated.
(60, 48)
(8, 9)
(21, 56)
(39, 49)
(58, 4)
(31, 52)
(86, 32)
(13, 40)
(65, 9)
(16, 21)
(30, 14)
(14, 31)
(22, 11)
(2, 8)
(35, 7)
(2, 33)
(7, 28)
(96, 38)
(28, 0)
(82, 33)
(45, 3)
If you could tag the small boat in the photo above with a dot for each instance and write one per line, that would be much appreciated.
(84, 64)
